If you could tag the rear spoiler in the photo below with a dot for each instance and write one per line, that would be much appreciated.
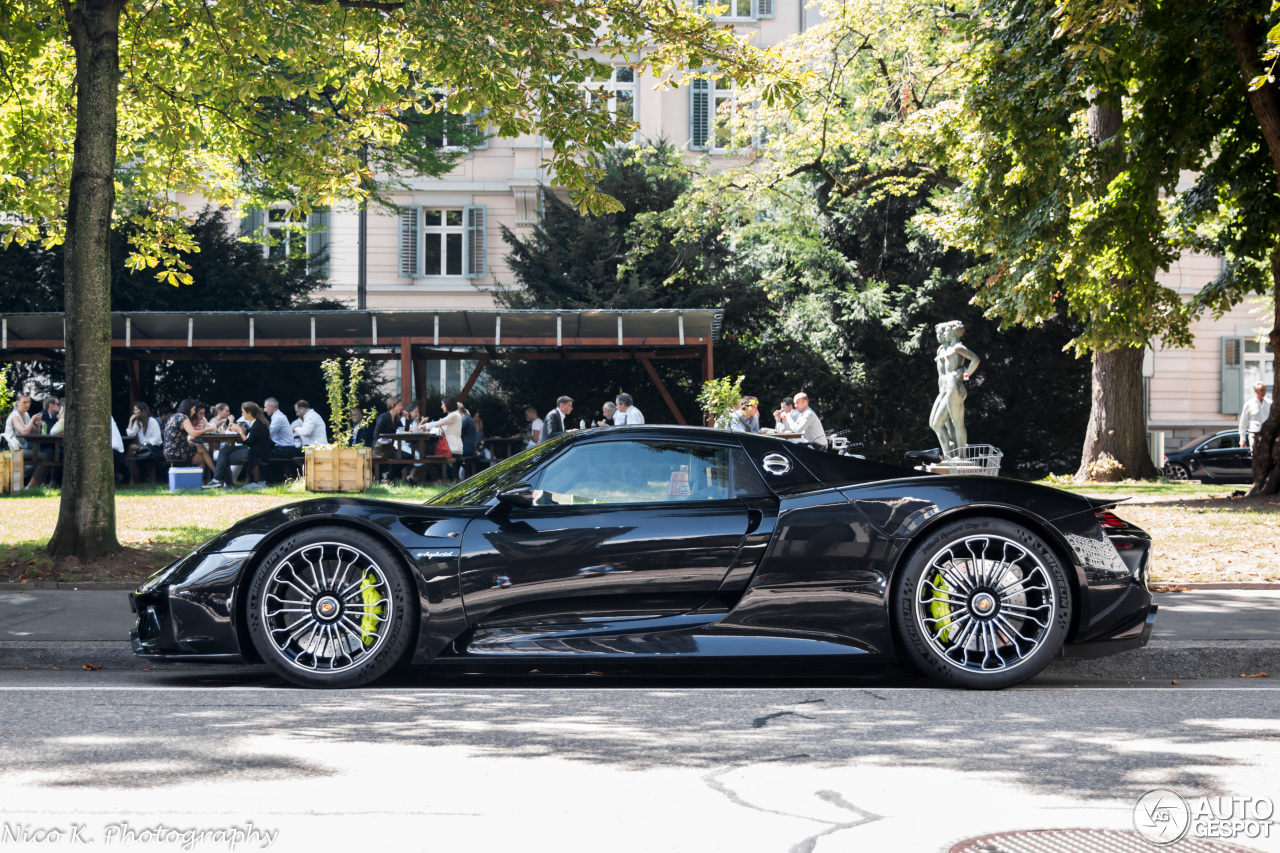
(1105, 503)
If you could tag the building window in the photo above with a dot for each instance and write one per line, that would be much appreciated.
(738, 10)
(442, 242)
(442, 234)
(450, 131)
(620, 91)
(713, 115)
(285, 237)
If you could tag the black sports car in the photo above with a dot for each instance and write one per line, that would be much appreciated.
(1213, 458)
(671, 544)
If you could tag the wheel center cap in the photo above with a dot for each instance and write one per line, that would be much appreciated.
(327, 608)
(983, 604)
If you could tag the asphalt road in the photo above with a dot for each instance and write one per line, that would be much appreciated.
(538, 763)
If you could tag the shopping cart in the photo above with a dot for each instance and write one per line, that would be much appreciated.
(980, 459)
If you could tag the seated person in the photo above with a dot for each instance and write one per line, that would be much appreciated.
(253, 450)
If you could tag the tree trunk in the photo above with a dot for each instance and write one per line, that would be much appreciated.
(1246, 42)
(87, 513)
(1115, 445)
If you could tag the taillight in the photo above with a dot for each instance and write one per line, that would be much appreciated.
(1107, 518)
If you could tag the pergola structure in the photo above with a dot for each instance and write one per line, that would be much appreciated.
(411, 337)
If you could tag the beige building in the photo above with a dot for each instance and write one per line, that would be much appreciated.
(1200, 389)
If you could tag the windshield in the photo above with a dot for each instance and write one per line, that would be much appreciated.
(483, 488)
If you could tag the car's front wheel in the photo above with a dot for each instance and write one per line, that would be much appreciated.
(1177, 471)
(331, 607)
(982, 603)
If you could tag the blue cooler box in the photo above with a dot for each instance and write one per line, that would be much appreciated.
(185, 478)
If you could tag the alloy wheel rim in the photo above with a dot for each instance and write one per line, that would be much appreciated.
(986, 604)
(326, 607)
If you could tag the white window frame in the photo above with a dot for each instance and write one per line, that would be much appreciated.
(610, 88)
(440, 233)
(440, 97)
(415, 231)
(734, 6)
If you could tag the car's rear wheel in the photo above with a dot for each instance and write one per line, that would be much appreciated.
(982, 603)
(331, 607)
(1177, 471)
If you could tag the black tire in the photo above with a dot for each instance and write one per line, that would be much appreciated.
(969, 602)
(332, 607)
(1177, 471)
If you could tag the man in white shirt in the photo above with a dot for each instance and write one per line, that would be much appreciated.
(282, 446)
(1254, 414)
(308, 429)
(806, 422)
(536, 425)
(627, 413)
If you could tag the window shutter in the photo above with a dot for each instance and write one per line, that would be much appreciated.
(409, 240)
(318, 242)
(1232, 375)
(699, 114)
(474, 218)
(764, 8)
(251, 222)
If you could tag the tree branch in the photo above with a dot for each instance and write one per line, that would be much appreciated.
(373, 5)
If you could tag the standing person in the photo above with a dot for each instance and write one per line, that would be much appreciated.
(254, 447)
(627, 414)
(536, 426)
(178, 432)
(1253, 415)
(148, 441)
(784, 417)
(554, 422)
(308, 429)
(468, 432)
(282, 446)
(610, 412)
(807, 423)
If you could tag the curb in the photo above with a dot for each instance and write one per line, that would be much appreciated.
(1177, 659)
(78, 586)
(1175, 586)
(1169, 659)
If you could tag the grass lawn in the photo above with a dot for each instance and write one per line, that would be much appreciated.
(154, 526)
(1200, 532)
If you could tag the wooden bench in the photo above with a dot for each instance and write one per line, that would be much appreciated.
(443, 461)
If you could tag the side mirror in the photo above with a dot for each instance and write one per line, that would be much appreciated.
(519, 495)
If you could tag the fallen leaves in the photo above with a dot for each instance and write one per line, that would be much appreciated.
(91, 667)
(1255, 675)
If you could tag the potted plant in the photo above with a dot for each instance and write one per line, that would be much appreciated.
(339, 467)
(10, 460)
(718, 398)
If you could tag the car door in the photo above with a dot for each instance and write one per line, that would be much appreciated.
(620, 527)
(1220, 457)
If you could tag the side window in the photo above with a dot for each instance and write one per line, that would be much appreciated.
(747, 482)
(1223, 442)
(624, 472)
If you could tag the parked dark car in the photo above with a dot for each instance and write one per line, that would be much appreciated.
(664, 544)
(1213, 458)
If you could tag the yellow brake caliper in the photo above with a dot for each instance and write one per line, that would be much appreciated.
(940, 608)
(370, 597)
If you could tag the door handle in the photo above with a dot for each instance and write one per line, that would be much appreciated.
(754, 519)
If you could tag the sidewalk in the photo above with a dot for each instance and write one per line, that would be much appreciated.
(1202, 633)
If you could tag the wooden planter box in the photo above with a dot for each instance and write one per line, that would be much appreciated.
(10, 472)
(333, 470)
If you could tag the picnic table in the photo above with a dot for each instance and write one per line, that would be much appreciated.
(421, 456)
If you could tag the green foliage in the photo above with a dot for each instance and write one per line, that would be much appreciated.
(719, 397)
(290, 99)
(6, 394)
(342, 387)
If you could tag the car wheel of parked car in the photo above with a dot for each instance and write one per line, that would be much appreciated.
(331, 607)
(1176, 471)
(982, 603)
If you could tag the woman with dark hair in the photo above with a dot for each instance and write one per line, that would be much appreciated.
(149, 443)
(450, 425)
(179, 431)
(254, 447)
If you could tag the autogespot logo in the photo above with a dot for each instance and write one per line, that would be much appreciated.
(1161, 816)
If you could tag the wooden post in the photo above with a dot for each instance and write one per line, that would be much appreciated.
(135, 382)
(406, 371)
(662, 389)
(475, 374)
(420, 384)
